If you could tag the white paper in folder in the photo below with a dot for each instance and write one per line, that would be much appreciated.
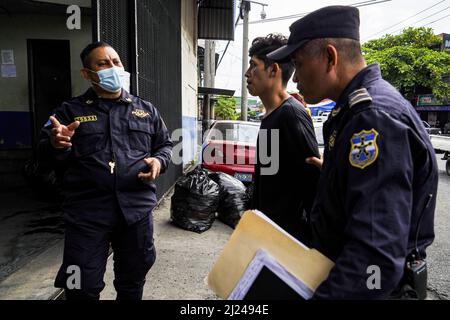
(263, 260)
(257, 233)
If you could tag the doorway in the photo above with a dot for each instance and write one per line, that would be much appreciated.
(49, 78)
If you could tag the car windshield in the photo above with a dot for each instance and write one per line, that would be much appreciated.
(239, 132)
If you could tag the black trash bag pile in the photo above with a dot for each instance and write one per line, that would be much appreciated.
(194, 202)
(233, 200)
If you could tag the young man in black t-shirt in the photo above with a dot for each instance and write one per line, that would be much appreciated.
(285, 185)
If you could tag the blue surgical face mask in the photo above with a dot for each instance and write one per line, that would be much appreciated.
(112, 79)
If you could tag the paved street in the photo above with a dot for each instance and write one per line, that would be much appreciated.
(439, 252)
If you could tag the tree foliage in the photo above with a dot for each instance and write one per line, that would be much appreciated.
(410, 60)
(225, 108)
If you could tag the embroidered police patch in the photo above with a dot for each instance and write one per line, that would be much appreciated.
(364, 149)
(140, 113)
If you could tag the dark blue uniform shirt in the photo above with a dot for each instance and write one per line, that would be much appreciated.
(107, 154)
(378, 174)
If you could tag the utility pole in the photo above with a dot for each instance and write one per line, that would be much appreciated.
(210, 63)
(210, 69)
(210, 72)
(245, 7)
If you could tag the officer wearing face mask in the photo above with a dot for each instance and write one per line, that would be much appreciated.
(112, 146)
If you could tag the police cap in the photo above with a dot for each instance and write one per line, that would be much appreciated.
(327, 22)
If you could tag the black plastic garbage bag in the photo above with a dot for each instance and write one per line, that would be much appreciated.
(233, 198)
(194, 202)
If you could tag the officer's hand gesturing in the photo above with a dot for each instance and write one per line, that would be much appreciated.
(61, 134)
(155, 168)
(315, 161)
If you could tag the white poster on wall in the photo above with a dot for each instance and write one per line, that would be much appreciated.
(7, 56)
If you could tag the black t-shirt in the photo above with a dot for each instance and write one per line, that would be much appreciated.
(286, 194)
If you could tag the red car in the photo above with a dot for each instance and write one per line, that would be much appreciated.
(230, 147)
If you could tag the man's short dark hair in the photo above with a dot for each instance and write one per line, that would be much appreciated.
(87, 51)
(349, 49)
(262, 46)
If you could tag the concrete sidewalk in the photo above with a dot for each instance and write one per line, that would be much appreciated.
(31, 238)
(183, 260)
(34, 281)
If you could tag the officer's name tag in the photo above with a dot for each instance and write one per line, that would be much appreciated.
(86, 119)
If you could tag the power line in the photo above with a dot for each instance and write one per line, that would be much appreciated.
(369, 4)
(431, 15)
(357, 4)
(300, 15)
(416, 14)
(436, 20)
(354, 4)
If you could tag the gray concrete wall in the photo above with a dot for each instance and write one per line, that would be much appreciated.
(15, 30)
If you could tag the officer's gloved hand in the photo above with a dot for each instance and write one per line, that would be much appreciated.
(61, 135)
(155, 169)
(315, 161)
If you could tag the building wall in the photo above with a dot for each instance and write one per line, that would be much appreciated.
(15, 119)
(189, 78)
(15, 32)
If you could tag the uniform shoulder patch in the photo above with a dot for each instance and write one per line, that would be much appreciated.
(358, 96)
(364, 148)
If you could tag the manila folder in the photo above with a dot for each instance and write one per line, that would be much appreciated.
(256, 231)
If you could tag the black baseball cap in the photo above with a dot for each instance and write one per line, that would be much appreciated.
(327, 22)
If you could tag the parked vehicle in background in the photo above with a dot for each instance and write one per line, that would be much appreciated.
(430, 129)
(441, 143)
(230, 147)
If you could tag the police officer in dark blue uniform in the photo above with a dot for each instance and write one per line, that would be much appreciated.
(375, 206)
(112, 146)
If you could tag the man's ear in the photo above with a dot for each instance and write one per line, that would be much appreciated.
(89, 75)
(332, 57)
(274, 68)
(84, 74)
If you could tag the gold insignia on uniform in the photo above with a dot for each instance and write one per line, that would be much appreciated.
(335, 111)
(364, 148)
(86, 119)
(140, 113)
(332, 140)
